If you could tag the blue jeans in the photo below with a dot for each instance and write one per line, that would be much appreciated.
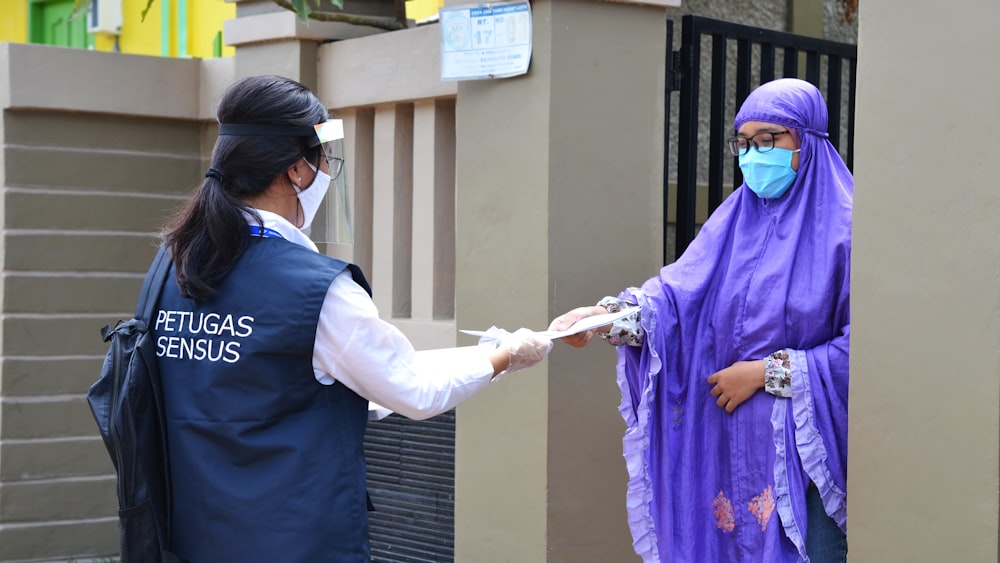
(825, 543)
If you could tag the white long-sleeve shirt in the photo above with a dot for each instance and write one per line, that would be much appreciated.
(375, 360)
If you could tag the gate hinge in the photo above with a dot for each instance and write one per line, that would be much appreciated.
(676, 69)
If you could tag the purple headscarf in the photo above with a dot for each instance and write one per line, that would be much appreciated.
(762, 275)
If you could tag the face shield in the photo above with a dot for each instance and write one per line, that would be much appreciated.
(333, 224)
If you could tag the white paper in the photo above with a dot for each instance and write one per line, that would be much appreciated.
(582, 325)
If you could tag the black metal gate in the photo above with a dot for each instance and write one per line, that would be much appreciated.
(735, 59)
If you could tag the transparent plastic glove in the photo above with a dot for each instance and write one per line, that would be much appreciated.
(525, 347)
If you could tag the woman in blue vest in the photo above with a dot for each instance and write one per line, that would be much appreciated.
(270, 351)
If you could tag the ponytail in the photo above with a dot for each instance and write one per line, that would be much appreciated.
(211, 232)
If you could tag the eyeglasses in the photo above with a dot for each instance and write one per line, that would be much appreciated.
(336, 166)
(334, 163)
(763, 142)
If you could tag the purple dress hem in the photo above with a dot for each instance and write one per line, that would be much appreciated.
(635, 446)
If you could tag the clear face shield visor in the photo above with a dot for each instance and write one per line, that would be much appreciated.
(332, 224)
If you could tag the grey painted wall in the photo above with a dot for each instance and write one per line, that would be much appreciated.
(925, 342)
(90, 169)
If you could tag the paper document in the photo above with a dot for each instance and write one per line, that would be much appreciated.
(584, 324)
(488, 40)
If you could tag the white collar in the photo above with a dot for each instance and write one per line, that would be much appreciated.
(284, 228)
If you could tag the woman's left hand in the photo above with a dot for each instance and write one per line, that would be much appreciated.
(737, 383)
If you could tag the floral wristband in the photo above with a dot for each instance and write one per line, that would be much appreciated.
(778, 374)
(626, 331)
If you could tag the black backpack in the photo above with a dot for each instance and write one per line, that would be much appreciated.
(127, 403)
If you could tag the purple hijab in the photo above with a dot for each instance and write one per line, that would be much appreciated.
(762, 275)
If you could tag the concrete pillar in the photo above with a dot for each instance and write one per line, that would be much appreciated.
(558, 196)
(925, 342)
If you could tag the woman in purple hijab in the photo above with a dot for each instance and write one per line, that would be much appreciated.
(734, 367)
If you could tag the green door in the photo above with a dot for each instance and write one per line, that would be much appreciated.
(49, 24)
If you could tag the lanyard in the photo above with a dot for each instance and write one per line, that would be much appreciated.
(256, 231)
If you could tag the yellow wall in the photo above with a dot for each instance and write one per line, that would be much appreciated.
(143, 37)
(14, 21)
(202, 29)
(420, 9)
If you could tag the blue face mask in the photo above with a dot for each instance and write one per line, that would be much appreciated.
(768, 174)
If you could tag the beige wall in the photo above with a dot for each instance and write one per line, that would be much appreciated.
(925, 362)
(97, 149)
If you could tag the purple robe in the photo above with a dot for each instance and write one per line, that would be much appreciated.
(761, 276)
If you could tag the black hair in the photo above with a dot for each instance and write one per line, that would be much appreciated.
(210, 234)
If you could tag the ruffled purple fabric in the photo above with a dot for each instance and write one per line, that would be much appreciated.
(761, 275)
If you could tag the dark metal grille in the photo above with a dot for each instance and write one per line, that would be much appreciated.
(411, 481)
(735, 59)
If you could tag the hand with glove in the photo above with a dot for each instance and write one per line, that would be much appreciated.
(514, 351)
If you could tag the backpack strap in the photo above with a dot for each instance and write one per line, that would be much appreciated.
(151, 286)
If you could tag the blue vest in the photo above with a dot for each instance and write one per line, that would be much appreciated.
(266, 463)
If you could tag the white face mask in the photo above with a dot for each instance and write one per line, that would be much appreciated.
(311, 197)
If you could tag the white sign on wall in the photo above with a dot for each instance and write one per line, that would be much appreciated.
(482, 41)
